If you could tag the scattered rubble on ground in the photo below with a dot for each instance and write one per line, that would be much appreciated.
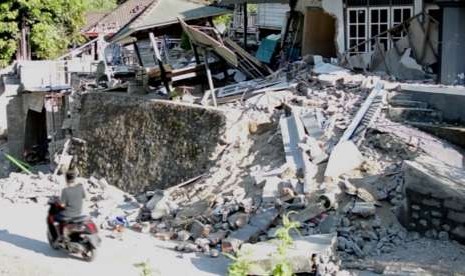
(305, 150)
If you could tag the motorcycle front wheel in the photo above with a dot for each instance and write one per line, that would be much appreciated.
(51, 242)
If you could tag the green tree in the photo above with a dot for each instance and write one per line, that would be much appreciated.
(101, 5)
(53, 26)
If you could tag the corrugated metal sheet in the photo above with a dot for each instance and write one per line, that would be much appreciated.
(272, 15)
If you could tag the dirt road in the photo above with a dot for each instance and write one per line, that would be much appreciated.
(24, 251)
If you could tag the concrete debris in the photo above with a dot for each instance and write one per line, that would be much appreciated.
(344, 158)
(364, 209)
(303, 256)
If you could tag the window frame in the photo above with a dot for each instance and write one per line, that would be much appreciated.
(369, 25)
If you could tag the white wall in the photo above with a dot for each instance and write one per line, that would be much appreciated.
(272, 15)
(336, 8)
(417, 6)
(332, 7)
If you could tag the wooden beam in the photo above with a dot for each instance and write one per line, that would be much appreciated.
(210, 81)
(136, 49)
(160, 63)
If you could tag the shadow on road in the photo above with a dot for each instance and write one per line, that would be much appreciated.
(30, 244)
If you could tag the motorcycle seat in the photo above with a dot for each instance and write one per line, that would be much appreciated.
(78, 219)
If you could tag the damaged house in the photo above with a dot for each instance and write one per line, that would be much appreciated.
(400, 38)
(322, 116)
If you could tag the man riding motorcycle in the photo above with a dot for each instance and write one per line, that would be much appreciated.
(71, 201)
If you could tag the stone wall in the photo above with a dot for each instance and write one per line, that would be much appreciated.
(136, 143)
(435, 199)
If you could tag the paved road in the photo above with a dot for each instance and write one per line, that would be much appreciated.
(24, 251)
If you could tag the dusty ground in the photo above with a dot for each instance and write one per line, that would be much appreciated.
(24, 251)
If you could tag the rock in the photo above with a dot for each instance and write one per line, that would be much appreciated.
(443, 236)
(238, 220)
(164, 236)
(271, 234)
(329, 224)
(260, 222)
(311, 211)
(342, 243)
(345, 222)
(187, 247)
(183, 235)
(214, 253)
(216, 237)
(203, 243)
(364, 209)
(199, 230)
(353, 247)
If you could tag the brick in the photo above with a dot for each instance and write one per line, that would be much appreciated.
(431, 202)
(423, 222)
(416, 207)
(446, 227)
(415, 215)
(454, 204)
(436, 214)
(456, 216)
(436, 222)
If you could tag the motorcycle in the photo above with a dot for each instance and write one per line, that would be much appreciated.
(77, 235)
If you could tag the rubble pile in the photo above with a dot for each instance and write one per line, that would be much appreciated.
(271, 163)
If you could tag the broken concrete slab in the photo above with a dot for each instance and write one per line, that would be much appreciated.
(344, 158)
(158, 205)
(301, 254)
(311, 211)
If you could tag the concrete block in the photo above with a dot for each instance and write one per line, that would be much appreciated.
(428, 176)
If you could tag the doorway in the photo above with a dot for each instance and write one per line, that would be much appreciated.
(319, 33)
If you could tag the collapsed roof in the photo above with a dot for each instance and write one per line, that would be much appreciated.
(162, 13)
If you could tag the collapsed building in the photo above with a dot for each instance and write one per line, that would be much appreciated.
(213, 148)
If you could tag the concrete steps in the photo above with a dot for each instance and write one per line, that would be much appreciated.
(453, 134)
(413, 114)
(408, 104)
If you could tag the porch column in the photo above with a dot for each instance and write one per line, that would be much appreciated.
(246, 23)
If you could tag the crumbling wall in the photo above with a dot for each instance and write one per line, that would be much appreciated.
(435, 199)
(137, 143)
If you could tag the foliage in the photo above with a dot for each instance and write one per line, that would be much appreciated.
(240, 265)
(283, 266)
(53, 26)
(100, 5)
(145, 268)
(252, 8)
(185, 42)
(223, 19)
